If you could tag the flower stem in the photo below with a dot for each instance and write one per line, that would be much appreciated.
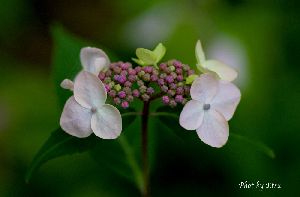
(145, 115)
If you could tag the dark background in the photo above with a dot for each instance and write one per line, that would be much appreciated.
(260, 38)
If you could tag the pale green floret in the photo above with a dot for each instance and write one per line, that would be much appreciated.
(147, 57)
(117, 87)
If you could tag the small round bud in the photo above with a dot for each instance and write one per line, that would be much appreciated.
(154, 77)
(127, 84)
(165, 99)
(117, 100)
(132, 78)
(155, 72)
(169, 79)
(138, 69)
(125, 104)
(173, 103)
(117, 70)
(171, 92)
(180, 90)
(160, 82)
(117, 87)
(179, 71)
(163, 66)
(179, 78)
(129, 98)
(173, 86)
(112, 93)
(164, 88)
(107, 80)
(111, 84)
(108, 73)
(127, 90)
(124, 72)
(145, 97)
(146, 77)
(186, 67)
(174, 75)
(177, 64)
(140, 83)
(131, 71)
(122, 94)
(135, 93)
(143, 89)
(180, 84)
(150, 91)
(172, 68)
(141, 73)
(179, 98)
(101, 76)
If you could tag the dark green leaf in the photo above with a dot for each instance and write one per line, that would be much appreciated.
(118, 155)
(59, 144)
(170, 118)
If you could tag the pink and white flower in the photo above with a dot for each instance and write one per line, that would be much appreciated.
(213, 104)
(86, 112)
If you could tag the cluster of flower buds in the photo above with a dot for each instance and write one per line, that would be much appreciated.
(124, 83)
(172, 82)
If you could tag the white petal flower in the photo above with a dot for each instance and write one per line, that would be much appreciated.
(213, 104)
(224, 71)
(86, 111)
(94, 60)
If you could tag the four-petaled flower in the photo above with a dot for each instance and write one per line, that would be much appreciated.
(86, 111)
(213, 104)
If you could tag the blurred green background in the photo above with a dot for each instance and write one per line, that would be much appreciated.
(260, 38)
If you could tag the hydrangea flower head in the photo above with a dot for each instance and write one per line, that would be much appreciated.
(213, 104)
(86, 111)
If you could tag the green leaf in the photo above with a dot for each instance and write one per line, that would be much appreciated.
(60, 144)
(190, 79)
(65, 61)
(159, 52)
(146, 56)
(171, 120)
(119, 155)
(256, 144)
(57, 145)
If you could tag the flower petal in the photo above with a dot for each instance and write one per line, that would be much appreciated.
(94, 60)
(226, 100)
(204, 88)
(67, 84)
(191, 115)
(107, 122)
(89, 91)
(214, 130)
(75, 119)
(199, 53)
(224, 71)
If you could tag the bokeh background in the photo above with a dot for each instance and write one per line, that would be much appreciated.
(260, 38)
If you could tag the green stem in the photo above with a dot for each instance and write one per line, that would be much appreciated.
(145, 115)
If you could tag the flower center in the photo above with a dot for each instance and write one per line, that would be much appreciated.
(94, 110)
(206, 107)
